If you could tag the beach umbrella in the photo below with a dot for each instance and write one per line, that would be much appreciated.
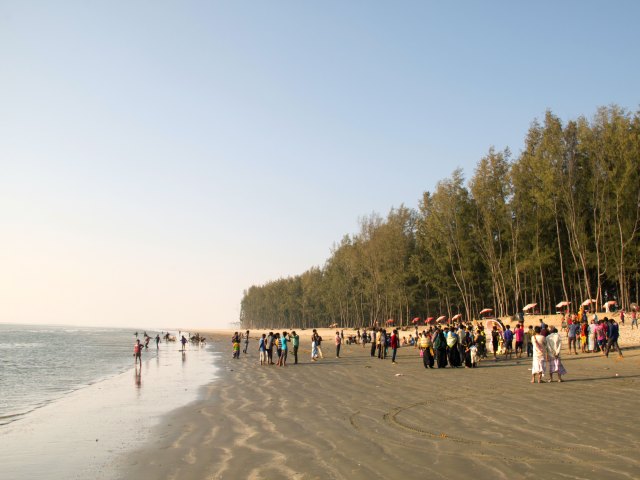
(489, 323)
(563, 304)
(456, 317)
(415, 320)
(441, 319)
(391, 321)
(588, 302)
(429, 320)
(529, 306)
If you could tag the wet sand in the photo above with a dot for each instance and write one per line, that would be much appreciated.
(80, 435)
(359, 418)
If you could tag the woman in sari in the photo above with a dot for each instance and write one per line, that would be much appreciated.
(592, 336)
(539, 355)
(554, 346)
(452, 349)
(440, 348)
(426, 346)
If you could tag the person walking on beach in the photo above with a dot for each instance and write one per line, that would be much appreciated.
(314, 345)
(157, 342)
(183, 341)
(295, 343)
(634, 318)
(246, 342)
(262, 349)
(554, 347)
(395, 343)
(338, 343)
(319, 346)
(137, 352)
(612, 340)
(539, 356)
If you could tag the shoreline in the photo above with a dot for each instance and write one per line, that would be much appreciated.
(360, 417)
(83, 432)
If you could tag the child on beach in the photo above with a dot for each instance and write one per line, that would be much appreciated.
(262, 349)
(473, 350)
(137, 352)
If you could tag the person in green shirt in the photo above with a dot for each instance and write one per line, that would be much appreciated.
(295, 342)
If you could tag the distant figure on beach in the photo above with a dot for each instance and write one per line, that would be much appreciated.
(262, 349)
(528, 336)
(157, 342)
(235, 345)
(270, 348)
(395, 343)
(319, 345)
(519, 335)
(634, 318)
(295, 343)
(137, 352)
(508, 342)
(554, 347)
(572, 335)
(284, 349)
(246, 342)
(183, 341)
(539, 356)
(338, 343)
(440, 348)
(374, 341)
(612, 341)
(495, 341)
(314, 345)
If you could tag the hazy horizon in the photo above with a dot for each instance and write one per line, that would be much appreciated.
(158, 159)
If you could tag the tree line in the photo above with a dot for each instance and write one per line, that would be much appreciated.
(559, 222)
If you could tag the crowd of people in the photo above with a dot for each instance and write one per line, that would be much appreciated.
(458, 345)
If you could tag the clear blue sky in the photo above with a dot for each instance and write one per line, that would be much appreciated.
(156, 158)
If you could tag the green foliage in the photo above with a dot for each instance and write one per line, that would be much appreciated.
(559, 222)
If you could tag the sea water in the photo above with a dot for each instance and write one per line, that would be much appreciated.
(39, 364)
(71, 400)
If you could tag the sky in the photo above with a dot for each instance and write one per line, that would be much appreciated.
(157, 158)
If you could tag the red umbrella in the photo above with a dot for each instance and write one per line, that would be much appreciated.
(429, 320)
(441, 318)
(456, 317)
(415, 320)
(391, 320)
(486, 310)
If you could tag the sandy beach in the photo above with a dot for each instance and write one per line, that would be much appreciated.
(360, 417)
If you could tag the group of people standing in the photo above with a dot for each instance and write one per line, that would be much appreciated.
(281, 343)
(598, 336)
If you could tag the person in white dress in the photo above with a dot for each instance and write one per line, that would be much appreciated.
(539, 355)
(554, 346)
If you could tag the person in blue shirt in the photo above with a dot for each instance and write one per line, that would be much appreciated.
(612, 338)
(572, 334)
(282, 360)
(508, 342)
(262, 348)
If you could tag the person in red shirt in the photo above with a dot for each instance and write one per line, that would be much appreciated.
(394, 345)
(519, 334)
